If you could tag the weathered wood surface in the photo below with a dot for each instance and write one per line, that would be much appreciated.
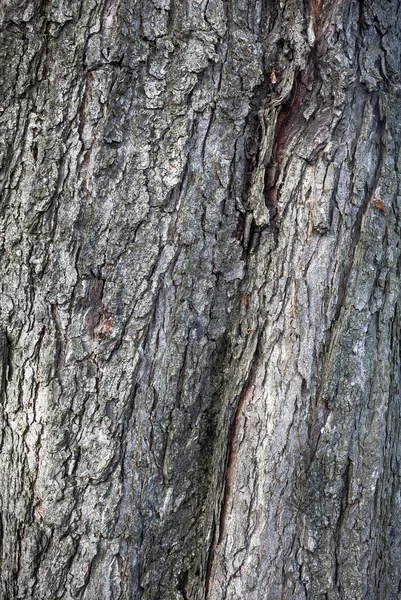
(200, 297)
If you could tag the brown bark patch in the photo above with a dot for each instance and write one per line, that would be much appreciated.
(315, 10)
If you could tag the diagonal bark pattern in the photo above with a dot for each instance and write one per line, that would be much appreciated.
(200, 298)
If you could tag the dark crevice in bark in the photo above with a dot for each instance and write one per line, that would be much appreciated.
(230, 447)
(210, 558)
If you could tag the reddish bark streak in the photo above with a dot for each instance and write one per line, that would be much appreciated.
(232, 453)
(283, 120)
(315, 7)
(287, 120)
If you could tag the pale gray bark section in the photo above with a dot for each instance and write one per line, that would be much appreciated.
(200, 298)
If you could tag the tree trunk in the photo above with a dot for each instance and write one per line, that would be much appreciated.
(200, 307)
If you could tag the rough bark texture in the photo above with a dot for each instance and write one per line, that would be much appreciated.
(200, 300)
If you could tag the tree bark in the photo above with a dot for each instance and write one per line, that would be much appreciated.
(200, 300)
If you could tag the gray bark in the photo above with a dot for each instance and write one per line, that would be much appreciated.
(200, 300)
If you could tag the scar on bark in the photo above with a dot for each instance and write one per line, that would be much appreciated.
(315, 6)
(322, 414)
(226, 494)
(272, 173)
(228, 474)
(4, 361)
(289, 123)
(231, 452)
(210, 561)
